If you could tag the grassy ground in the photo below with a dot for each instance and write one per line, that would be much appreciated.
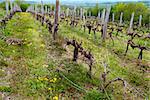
(2, 13)
(26, 61)
(32, 68)
(119, 65)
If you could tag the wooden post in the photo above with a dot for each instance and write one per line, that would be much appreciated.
(140, 21)
(56, 19)
(14, 8)
(67, 12)
(36, 9)
(78, 12)
(74, 11)
(131, 21)
(59, 10)
(121, 15)
(42, 7)
(113, 17)
(105, 24)
(32, 8)
(105, 67)
(70, 12)
(46, 9)
(99, 14)
(103, 16)
(84, 22)
(89, 13)
(81, 13)
(51, 8)
(86, 14)
(11, 5)
(7, 7)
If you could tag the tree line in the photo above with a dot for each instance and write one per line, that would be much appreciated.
(126, 8)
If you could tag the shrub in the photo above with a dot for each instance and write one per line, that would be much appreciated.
(127, 9)
(24, 6)
(2, 5)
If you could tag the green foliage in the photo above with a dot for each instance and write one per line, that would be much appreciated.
(49, 6)
(64, 7)
(95, 95)
(129, 8)
(2, 5)
(5, 89)
(19, 2)
(77, 72)
(24, 6)
(136, 78)
(94, 10)
(36, 85)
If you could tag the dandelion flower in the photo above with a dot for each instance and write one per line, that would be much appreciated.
(42, 45)
(49, 89)
(55, 79)
(39, 78)
(55, 98)
(46, 79)
(45, 66)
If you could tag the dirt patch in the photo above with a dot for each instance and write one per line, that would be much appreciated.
(14, 41)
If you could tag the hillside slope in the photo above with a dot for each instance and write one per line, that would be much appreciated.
(41, 68)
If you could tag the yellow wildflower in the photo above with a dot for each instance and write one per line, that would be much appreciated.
(45, 66)
(42, 45)
(39, 78)
(55, 98)
(51, 80)
(49, 89)
(45, 79)
(2, 70)
(55, 79)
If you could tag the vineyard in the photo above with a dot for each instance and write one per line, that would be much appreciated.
(57, 52)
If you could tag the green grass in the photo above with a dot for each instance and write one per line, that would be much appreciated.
(5, 89)
(118, 65)
(28, 60)
(2, 13)
(34, 67)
